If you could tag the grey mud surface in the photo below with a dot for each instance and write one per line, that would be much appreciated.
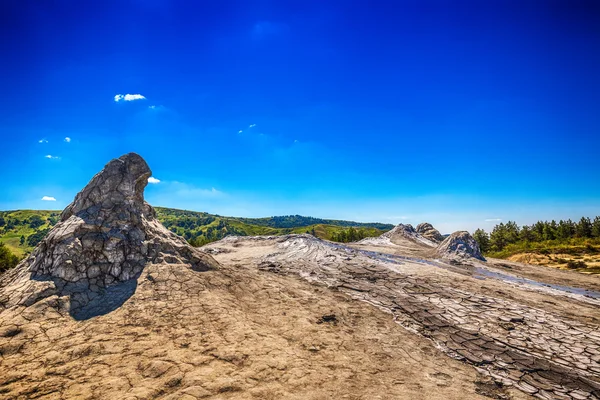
(512, 322)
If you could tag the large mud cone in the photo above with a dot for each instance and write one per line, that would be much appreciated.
(427, 230)
(105, 237)
(406, 231)
(460, 246)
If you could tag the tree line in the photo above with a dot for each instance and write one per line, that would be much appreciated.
(508, 233)
(349, 235)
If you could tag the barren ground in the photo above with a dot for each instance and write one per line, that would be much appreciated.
(298, 318)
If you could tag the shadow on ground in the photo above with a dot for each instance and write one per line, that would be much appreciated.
(87, 301)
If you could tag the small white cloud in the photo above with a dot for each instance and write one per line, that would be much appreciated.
(48, 198)
(252, 125)
(493, 220)
(42, 141)
(68, 139)
(153, 180)
(51, 157)
(128, 97)
(240, 131)
(296, 141)
(152, 107)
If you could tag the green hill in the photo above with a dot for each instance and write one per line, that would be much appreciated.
(31, 225)
(200, 228)
(22, 230)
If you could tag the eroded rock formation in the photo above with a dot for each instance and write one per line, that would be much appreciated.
(406, 231)
(105, 237)
(460, 246)
(427, 230)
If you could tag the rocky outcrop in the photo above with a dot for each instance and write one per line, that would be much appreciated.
(427, 230)
(107, 236)
(406, 231)
(460, 246)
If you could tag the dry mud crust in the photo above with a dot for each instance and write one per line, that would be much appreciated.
(234, 333)
(544, 342)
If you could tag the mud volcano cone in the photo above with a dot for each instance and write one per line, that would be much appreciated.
(105, 238)
(460, 246)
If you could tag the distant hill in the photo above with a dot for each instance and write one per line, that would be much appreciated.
(200, 228)
(31, 225)
(22, 230)
(295, 221)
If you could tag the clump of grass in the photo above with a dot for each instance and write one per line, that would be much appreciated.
(572, 264)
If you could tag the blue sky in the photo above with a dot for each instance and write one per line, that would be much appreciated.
(460, 113)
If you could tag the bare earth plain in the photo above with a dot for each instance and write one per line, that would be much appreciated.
(299, 318)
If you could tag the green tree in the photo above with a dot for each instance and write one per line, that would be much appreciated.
(7, 259)
(35, 221)
(22, 240)
(527, 234)
(483, 239)
(499, 237)
(584, 228)
(564, 230)
(512, 232)
(548, 233)
(538, 227)
(596, 227)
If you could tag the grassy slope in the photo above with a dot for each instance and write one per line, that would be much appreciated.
(12, 238)
(555, 253)
(245, 226)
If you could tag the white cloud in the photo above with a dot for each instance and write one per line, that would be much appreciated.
(42, 141)
(252, 125)
(48, 198)
(152, 107)
(240, 131)
(51, 157)
(153, 180)
(68, 139)
(493, 220)
(128, 97)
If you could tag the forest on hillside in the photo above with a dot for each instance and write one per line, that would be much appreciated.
(506, 238)
(22, 230)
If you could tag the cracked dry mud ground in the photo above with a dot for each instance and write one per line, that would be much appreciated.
(540, 340)
(280, 319)
(233, 333)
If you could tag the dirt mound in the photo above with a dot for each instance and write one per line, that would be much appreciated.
(460, 246)
(427, 230)
(401, 232)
